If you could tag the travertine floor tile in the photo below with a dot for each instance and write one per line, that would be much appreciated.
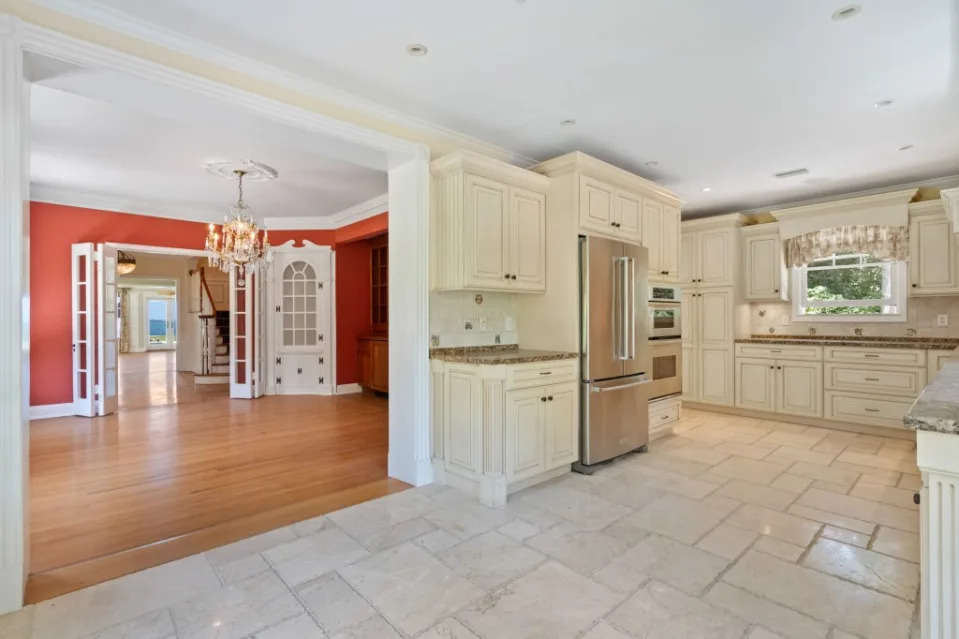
(756, 494)
(745, 605)
(880, 572)
(788, 453)
(897, 543)
(300, 627)
(491, 559)
(829, 599)
(850, 537)
(791, 483)
(552, 601)
(704, 455)
(779, 548)
(449, 629)
(603, 630)
(864, 509)
(727, 541)
(753, 470)
(582, 550)
(313, 556)
(865, 527)
(518, 529)
(783, 526)
(828, 474)
(586, 509)
(744, 450)
(684, 519)
(373, 628)
(885, 494)
(658, 611)
(334, 604)
(884, 462)
(155, 625)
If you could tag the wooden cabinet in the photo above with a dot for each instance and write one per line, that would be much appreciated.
(373, 355)
(708, 327)
(661, 237)
(780, 386)
(489, 225)
(715, 375)
(503, 426)
(610, 210)
(628, 215)
(710, 256)
(932, 251)
(765, 276)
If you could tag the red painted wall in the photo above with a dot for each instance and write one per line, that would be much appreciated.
(53, 228)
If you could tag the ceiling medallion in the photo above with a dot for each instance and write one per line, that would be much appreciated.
(240, 244)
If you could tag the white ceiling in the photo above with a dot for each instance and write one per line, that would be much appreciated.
(139, 148)
(720, 94)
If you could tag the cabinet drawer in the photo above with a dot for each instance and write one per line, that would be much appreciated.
(662, 416)
(539, 373)
(799, 352)
(866, 409)
(892, 356)
(875, 379)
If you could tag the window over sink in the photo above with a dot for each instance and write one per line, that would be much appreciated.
(850, 287)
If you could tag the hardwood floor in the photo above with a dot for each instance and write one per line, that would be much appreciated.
(192, 476)
(151, 379)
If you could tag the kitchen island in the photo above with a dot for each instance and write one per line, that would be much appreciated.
(935, 418)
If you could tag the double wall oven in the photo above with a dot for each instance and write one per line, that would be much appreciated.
(665, 340)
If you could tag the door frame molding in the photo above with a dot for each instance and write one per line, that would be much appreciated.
(408, 172)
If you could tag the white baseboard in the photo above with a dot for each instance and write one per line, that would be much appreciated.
(345, 389)
(11, 587)
(49, 411)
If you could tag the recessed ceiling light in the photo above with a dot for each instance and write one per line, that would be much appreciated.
(846, 12)
(905, 148)
(652, 163)
(706, 189)
(569, 122)
(417, 50)
(882, 104)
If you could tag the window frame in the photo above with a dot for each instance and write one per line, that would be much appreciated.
(896, 298)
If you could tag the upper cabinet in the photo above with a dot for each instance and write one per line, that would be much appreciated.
(932, 251)
(615, 203)
(488, 225)
(710, 251)
(765, 277)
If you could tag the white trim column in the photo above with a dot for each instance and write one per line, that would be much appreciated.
(409, 456)
(14, 320)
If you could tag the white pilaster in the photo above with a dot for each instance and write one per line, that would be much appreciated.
(14, 320)
(950, 202)
(409, 456)
(937, 455)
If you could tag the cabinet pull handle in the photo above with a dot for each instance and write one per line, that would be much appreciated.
(775, 351)
(546, 372)
(872, 379)
(665, 417)
(872, 410)
(870, 355)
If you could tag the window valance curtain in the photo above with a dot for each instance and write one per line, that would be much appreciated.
(881, 242)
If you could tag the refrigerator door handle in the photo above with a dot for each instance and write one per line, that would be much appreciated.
(609, 389)
(631, 307)
(621, 310)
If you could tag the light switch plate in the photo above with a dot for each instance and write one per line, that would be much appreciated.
(482, 323)
(942, 320)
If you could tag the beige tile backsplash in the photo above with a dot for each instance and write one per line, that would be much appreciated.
(921, 313)
(456, 319)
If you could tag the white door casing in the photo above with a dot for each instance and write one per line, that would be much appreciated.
(108, 342)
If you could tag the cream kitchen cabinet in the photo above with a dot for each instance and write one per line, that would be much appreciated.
(932, 251)
(765, 277)
(708, 328)
(502, 428)
(709, 257)
(661, 237)
(489, 225)
(781, 386)
(610, 210)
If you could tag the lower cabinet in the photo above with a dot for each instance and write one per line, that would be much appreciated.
(713, 375)
(503, 428)
(780, 386)
(373, 359)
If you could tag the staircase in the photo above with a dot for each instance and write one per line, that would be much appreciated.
(215, 326)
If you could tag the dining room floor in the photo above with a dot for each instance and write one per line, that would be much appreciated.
(732, 528)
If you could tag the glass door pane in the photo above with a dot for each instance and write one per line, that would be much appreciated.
(157, 317)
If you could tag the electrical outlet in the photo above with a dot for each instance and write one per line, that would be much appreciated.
(942, 320)
(482, 323)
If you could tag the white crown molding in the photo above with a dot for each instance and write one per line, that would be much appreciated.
(49, 411)
(488, 167)
(119, 204)
(579, 161)
(363, 210)
(950, 202)
(120, 22)
(730, 219)
(839, 205)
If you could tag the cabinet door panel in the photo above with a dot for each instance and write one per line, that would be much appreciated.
(527, 240)
(933, 256)
(763, 271)
(562, 425)
(381, 366)
(800, 388)
(486, 220)
(628, 215)
(669, 257)
(525, 442)
(463, 423)
(653, 237)
(715, 376)
(715, 317)
(689, 311)
(715, 257)
(755, 384)
(689, 374)
(687, 258)
(595, 204)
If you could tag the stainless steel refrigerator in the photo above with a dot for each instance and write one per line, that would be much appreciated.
(615, 359)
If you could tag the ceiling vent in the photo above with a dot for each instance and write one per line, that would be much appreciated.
(793, 173)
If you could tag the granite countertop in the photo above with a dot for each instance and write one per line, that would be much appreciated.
(499, 354)
(927, 343)
(937, 408)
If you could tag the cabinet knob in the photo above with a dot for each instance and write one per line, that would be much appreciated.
(512, 277)
(542, 399)
(915, 496)
(550, 398)
(915, 285)
(506, 276)
(776, 291)
(771, 367)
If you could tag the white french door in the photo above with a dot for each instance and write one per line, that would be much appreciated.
(95, 330)
(160, 326)
(246, 332)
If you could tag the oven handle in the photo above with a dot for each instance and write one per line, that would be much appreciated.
(664, 340)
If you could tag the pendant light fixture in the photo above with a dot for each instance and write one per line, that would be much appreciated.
(125, 263)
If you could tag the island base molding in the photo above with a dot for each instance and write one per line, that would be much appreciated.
(938, 457)
(863, 429)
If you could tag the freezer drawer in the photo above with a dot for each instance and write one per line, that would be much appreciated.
(615, 418)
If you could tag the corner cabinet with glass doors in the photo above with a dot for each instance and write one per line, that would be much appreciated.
(301, 340)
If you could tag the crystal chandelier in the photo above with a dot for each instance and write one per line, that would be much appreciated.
(240, 243)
